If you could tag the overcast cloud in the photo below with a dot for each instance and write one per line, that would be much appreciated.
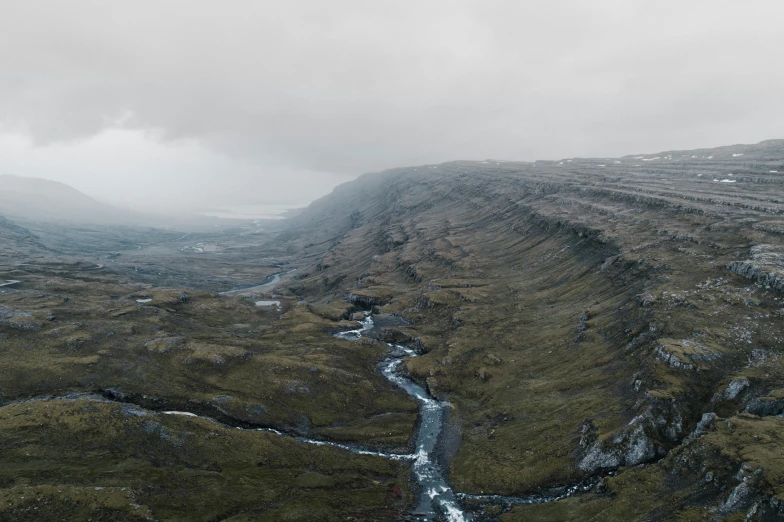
(164, 102)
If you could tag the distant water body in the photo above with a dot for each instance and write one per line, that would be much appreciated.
(247, 211)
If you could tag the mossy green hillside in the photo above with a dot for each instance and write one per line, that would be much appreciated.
(83, 458)
(196, 351)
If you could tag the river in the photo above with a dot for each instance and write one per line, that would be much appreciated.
(269, 284)
(436, 499)
(435, 494)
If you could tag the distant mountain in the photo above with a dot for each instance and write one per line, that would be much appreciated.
(43, 200)
(46, 200)
(768, 151)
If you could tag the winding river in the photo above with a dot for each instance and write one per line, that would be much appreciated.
(268, 285)
(435, 494)
(436, 497)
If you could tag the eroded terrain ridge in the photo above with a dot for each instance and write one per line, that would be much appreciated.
(605, 337)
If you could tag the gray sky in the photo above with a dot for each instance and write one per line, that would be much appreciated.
(160, 103)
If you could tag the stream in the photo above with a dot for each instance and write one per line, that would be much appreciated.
(269, 284)
(435, 494)
(107, 398)
(436, 499)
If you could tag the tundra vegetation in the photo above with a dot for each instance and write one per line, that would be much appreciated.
(616, 321)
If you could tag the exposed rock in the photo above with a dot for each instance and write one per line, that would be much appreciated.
(734, 388)
(764, 267)
(672, 359)
(707, 423)
(164, 344)
(738, 500)
(628, 448)
(20, 320)
(492, 358)
(766, 406)
(609, 262)
(645, 299)
(363, 301)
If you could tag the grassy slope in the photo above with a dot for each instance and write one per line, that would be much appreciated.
(84, 331)
(549, 303)
(81, 459)
(557, 305)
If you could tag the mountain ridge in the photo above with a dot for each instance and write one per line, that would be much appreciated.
(582, 317)
(39, 199)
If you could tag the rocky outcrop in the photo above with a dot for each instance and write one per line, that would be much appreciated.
(362, 301)
(20, 319)
(766, 406)
(628, 448)
(764, 267)
(750, 270)
(707, 423)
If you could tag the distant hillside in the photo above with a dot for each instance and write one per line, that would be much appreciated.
(582, 315)
(43, 200)
(46, 200)
(15, 239)
(768, 151)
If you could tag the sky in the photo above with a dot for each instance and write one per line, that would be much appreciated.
(177, 104)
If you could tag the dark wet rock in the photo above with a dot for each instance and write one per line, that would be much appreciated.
(739, 500)
(771, 510)
(391, 335)
(765, 406)
(363, 301)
